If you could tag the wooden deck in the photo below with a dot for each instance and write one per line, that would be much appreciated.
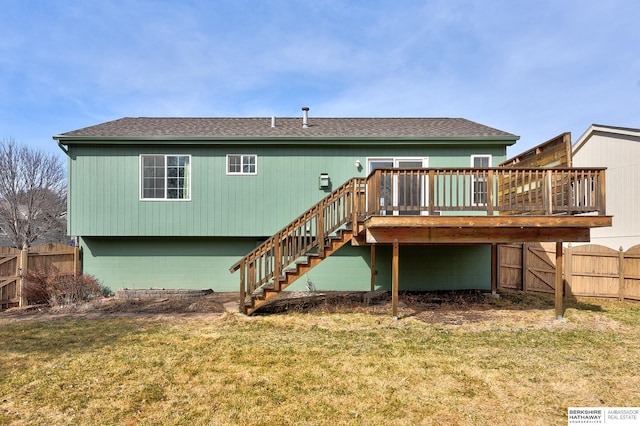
(429, 206)
(480, 229)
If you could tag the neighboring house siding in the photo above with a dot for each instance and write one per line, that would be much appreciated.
(619, 151)
(104, 200)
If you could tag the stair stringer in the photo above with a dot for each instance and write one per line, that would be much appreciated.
(291, 274)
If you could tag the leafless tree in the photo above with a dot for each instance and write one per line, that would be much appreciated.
(32, 194)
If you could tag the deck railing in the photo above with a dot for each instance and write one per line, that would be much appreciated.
(491, 190)
(307, 233)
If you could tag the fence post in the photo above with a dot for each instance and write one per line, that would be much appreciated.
(568, 267)
(525, 249)
(23, 268)
(621, 282)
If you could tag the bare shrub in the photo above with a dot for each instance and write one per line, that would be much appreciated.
(58, 289)
(35, 287)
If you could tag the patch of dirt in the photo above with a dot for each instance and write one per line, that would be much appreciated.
(461, 310)
(216, 303)
(470, 310)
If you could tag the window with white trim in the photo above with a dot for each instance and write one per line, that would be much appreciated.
(479, 181)
(165, 177)
(242, 164)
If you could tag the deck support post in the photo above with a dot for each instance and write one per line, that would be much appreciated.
(559, 290)
(373, 267)
(494, 269)
(394, 280)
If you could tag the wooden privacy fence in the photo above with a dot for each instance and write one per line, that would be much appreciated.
(589, 270)
(14, 264)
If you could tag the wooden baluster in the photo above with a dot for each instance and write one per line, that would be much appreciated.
(490, 192)
(432, 178)
(277, 263)
(354, 207)
(320, 231)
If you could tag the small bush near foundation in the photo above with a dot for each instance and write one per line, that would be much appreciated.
(57, 289)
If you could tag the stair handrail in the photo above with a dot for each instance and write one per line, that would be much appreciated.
(267, 261)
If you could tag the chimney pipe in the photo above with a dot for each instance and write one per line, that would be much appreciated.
(305, 117)
(273, 121)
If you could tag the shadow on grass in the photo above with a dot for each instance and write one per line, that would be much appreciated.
(67, 336)
(581, 305)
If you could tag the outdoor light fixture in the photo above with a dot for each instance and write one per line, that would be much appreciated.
(358, 164)
(323, 181)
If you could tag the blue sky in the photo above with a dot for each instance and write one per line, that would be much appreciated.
(532, 68)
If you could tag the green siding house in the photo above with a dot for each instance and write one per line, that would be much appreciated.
(175, 202)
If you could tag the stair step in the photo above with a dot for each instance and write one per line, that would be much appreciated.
(291, 273)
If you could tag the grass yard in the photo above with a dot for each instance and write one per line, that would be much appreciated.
(517, 366)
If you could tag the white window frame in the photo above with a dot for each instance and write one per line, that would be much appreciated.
(242, 164)
(141, 177)
(474, 180)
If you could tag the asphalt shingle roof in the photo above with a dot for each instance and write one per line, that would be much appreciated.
(287, 127)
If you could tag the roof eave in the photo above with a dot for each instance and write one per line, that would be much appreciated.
(287, 140)
(602, 129)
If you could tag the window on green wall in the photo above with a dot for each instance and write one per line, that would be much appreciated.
(242, 164)
(165, 177)
(479, 183)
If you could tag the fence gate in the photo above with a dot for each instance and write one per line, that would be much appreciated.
(9, 275)
(15, 263)
(527, 267)
(540, 266)
(510, 266)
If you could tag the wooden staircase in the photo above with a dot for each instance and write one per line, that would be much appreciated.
(291, 274)
(300, 246)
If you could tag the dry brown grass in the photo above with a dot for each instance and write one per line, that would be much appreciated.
(500, 361)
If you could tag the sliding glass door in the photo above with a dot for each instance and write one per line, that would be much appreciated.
(404, 193)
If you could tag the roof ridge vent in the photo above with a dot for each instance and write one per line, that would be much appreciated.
(305, 117)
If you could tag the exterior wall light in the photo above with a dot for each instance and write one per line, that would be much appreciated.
(358, 164)
(323, 181)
